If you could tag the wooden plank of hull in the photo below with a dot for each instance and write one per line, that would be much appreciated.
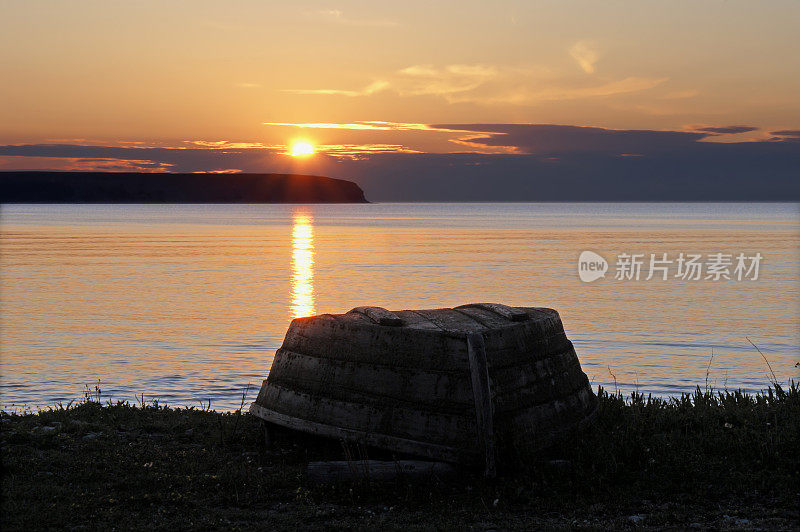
(382, 441)
(388, 418)
(380, 315)
(550, 416)
(522, 430)
(537, 382)
(369, 343)
(452, 321)
(509, 313)
(488, 319)
(535, 369)
(439, 391)
(505, 355)
(414, 321)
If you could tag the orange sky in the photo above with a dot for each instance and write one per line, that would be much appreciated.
(161, 73)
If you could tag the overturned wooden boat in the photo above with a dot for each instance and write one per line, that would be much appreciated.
(456, 385)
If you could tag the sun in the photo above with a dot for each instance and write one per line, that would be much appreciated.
(301, 148)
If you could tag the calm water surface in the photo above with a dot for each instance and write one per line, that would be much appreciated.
(188, 303)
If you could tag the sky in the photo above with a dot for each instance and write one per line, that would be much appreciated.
(385, 87)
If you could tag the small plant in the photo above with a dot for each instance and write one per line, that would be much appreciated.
(774, 380)
(92, 396)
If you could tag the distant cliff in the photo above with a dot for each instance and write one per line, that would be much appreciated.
(118, 187)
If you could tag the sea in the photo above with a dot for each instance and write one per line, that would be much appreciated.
(186, 304)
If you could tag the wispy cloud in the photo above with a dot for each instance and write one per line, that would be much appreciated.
(422, 80)
(611, 88)
(82, 164)
(786, 135)
(551, 139)
(471, 140)
(481, 143)
(372, 88)
(532, 96)
(419, 80)
(334, 150)
(361, 151)
(585, 54)
(228, 145)
(725, 130)
(374, 125)
(482, 84)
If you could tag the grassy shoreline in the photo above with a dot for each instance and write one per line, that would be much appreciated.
(706, 460)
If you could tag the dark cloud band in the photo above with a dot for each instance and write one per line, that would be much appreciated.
(551, 162)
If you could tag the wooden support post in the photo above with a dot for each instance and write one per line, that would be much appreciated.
(484, 408)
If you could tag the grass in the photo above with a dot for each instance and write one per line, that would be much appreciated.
(707, 460)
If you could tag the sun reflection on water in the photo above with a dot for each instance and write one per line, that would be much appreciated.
(302, 265)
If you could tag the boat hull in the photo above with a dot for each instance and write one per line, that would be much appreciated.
(403, 381)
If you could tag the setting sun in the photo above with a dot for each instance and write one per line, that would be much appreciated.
(301, 148)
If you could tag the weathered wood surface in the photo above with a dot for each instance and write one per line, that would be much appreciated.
(439, 390)
(410, 388)
(375, 471)
(383, 441)
(379, 315)
(407, 421)
(511, 313)
(484, 408)
(355, 338)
